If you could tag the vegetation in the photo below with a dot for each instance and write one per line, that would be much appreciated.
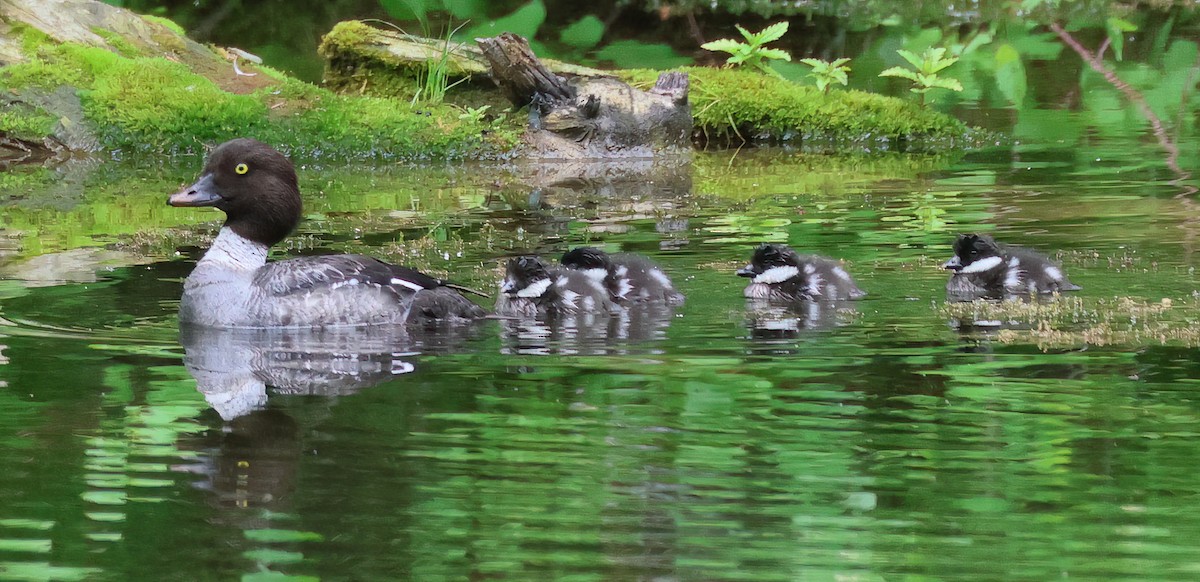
(734, 105)
(147, 104)
(753, 53)
(925, 78)
(826, 73)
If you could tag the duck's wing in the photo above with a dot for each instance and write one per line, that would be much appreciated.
(307, 274)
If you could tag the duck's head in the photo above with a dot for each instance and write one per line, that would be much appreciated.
(591, 260)
(772, 263)
(974, 253)
(525, 277)
(253, 184)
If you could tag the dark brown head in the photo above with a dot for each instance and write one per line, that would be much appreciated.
(253, 184)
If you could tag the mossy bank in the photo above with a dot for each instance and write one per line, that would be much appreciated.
(140, 87)
(122, 96)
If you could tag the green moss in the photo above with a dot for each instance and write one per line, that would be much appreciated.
(154, 105)
(124, 47)
(152, 102)
(730, 104)
(167, 22)
(26, 122)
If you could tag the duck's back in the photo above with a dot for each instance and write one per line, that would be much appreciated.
(645, 280)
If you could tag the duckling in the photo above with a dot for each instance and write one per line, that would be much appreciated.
(982, 267)
(627, 277)
(531, 288)
(780, 274)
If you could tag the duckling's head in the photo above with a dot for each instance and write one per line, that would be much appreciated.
(253, 184)
(590, 260)
(525, 277)
(772, 263)
(973, 254)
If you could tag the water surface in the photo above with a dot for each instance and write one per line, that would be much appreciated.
(712, 442)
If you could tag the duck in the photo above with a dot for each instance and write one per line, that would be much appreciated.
(983, 267)
(627, 277)
(778, 273)
(531, 287)
(234, 286)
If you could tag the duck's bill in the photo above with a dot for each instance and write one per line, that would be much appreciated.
(202, 193)
(747, 271)
(954, 264)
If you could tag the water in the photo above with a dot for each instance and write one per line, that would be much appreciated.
(710, 442)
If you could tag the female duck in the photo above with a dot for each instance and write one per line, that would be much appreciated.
(233, 285)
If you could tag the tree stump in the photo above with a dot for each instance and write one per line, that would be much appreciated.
(590, 117)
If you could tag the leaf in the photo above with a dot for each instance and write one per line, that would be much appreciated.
(773, 32)
(944, 83)
(727, 45)
(814, 63)
(584, 33)
(770, 53)
(899, 72)
(1010, 74)
(838, 63)
(746, 34)
(942, 64)
(911, 57)
(840, 76)
(1116, 29)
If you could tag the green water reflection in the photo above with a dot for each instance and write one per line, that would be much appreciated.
(871, 443)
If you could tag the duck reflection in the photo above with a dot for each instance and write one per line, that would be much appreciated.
(774, 320)
(630, 328)
(234, 367)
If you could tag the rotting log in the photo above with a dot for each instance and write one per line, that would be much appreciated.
(590, 117)
(362, 58)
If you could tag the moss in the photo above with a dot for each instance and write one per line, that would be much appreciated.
(26, 122)
(738, 105)
(124, 47)
(155, 105)
(166, 22)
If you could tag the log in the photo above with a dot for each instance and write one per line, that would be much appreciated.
(590, 117)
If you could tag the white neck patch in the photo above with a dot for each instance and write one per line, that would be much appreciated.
(777, 275)
(595, 274)
(232, 251)
(534, 289)
(982, 265)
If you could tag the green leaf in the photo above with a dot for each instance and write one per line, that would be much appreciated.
(773, 32)
(814, 63)
(1010, 74)
(911, 57)
(770, 53)
(727, 45)
(1116, 29)
(746, 34)
(839, 63)
(899, 72)
(584, 33)
(840, 76)
(950, 83)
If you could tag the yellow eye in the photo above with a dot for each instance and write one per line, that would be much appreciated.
(242, 168)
